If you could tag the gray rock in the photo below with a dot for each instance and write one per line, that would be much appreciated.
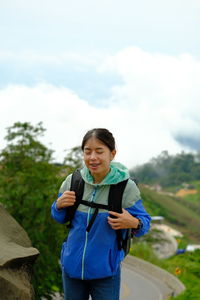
(16, 259)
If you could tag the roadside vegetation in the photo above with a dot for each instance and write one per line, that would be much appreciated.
(29, 183)
(185, 266)
(183, 215)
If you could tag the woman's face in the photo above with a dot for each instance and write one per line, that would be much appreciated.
(97, 157)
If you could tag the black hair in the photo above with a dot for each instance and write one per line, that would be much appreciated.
(102, 134)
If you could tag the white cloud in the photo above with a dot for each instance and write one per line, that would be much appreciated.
(68, 117)
(158, 99)
(64, 114)
(165, 89)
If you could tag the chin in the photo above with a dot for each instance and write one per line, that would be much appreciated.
(94, 171)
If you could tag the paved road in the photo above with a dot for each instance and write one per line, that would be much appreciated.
(139, 286)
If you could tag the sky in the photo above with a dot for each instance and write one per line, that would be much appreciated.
(130, 66)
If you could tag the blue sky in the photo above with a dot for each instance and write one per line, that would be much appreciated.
(131, 66)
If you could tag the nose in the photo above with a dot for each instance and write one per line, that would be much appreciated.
(93, 155)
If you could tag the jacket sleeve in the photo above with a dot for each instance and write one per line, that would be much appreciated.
(132, 202)
(61, 214)
(138, 211)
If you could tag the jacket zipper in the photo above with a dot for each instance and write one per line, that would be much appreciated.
(86, 233)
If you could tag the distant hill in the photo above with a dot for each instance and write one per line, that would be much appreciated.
(180, 213)
(169, 170)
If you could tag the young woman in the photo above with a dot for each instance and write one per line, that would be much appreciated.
(91, 260)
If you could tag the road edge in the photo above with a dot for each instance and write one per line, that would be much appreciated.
(146, 267)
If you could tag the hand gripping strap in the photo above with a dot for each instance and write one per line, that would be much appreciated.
(115, 204)
(77, 185)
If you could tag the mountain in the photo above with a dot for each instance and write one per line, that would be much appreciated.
(169, 170)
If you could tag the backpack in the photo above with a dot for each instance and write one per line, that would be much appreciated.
(114, 204)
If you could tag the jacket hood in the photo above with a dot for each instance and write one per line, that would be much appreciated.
(118, 173)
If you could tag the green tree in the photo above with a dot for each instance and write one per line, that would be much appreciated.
(74, 158)
(28, 184)
(145, 173)
(169, 170)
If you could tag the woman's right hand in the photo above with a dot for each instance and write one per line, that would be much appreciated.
(68, 198)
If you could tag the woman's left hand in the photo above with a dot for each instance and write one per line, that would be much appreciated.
(122, 220)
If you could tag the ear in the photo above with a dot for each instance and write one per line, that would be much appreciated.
(112, 154)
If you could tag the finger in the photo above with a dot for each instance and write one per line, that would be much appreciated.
(116, 227)
(68, 196)
(66, 201)
(69, 199)
(70, 193)
(113, 213)
(113, 221)
(66, 204)
(69, 202)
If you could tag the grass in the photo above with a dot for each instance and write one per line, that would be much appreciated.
(195, 199)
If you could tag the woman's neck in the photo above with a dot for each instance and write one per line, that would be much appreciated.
(97, 178)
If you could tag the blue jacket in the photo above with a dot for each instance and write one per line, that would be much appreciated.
(95, 254)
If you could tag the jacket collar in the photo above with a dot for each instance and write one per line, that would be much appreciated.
(118, 173)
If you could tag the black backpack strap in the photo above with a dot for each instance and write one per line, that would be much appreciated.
(115, 204)
(77, 185)
(94, 204)
(97, 206)
(115, 196)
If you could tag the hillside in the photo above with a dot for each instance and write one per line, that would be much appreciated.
(181, 214)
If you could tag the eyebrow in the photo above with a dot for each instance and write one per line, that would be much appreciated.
(98, 148)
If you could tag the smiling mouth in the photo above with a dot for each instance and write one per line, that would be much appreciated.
(94, 166)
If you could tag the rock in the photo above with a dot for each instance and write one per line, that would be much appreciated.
(165, 246)
(16, 259)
